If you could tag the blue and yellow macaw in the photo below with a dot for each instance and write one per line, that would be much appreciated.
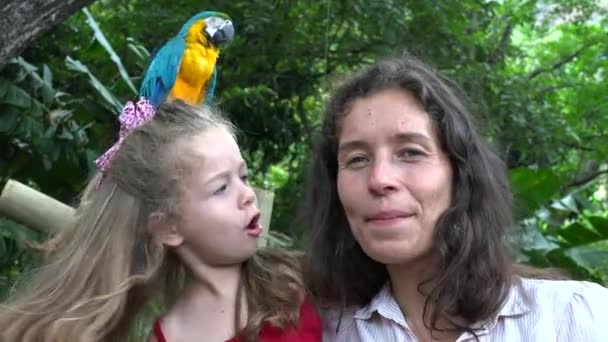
(184, 68)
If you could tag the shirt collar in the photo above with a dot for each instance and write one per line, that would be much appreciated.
(385, 305)
(516, 303)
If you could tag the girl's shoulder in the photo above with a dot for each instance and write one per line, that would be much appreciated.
(307, 329)
(282, 267)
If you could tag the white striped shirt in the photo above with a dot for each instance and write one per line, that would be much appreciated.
(538, 310)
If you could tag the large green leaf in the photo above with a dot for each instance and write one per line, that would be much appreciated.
(42, 84)
(112, 103)
(14, 95)
(560, 259)
(47, 91)
(8, 121)
(141, 53)
(577, 234)
(590, 257)
(533, 188)
(101, 38)
(600, 224)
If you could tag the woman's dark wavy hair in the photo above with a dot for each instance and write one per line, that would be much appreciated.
(475, 270)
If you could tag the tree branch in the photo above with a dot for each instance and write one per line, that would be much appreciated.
(498, 52)
(305, 122)
(559, 63)
(588, 178)
(22, 21)
(544, 90)
(576, 146)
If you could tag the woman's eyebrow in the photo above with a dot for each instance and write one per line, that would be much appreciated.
(351, 145)
(411, 137)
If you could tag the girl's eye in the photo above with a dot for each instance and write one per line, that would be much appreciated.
(221, 189)
(245, 178)
(356, 162)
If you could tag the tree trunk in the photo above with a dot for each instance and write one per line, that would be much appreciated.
(21, 21)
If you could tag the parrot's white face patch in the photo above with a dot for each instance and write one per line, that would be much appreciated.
(213, 24)
(219, 30)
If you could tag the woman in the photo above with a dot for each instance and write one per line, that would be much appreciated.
(408, 209)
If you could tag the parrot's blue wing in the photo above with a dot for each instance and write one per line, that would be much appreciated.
(211, 88)
(162, 72)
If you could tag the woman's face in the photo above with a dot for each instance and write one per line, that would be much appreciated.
(394, 180)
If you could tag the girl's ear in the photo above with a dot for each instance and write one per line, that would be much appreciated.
(163, 230)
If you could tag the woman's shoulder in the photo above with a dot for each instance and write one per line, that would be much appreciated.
(563, 291)
(578, 305)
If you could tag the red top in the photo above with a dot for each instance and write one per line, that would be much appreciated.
(309, 329)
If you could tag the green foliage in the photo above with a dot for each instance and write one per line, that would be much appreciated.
(16, 252)
(570, 233)
(535, 72)
(532, 188)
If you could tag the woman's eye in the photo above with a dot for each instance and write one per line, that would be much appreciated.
(245, 178)
(356, 161)
(411, 153)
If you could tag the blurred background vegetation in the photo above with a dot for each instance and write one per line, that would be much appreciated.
(536, 73)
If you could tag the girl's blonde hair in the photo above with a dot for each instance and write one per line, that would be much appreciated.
(107, 267)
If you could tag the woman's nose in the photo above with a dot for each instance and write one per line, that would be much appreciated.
(382, 177)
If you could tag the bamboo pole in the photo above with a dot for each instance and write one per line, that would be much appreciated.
(38, 211)
(265, 199)
(34, 209)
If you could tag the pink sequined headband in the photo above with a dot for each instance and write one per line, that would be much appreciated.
(132, 117)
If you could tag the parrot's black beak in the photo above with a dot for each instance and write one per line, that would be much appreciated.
(223, 34)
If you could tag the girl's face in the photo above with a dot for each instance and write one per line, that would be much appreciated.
(219, 218)
(394, 180)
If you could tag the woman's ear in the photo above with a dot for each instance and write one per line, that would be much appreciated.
(163, 230)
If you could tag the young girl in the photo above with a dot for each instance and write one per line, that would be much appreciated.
(170, 218)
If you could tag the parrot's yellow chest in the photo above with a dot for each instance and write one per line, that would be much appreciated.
(195, 71)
